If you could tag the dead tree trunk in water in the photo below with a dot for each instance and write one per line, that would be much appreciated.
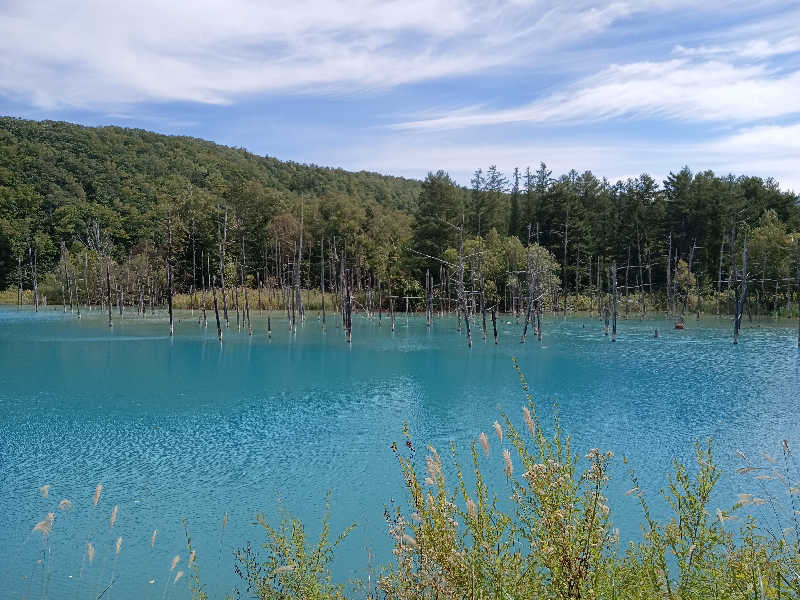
(108, 288)
(698, 298)
(530, 297)
(298, 264)
(627, 288)
(86, 278)
(169, 273)
(494, 322)
(203, 281)
(737, 321)
(216, 306)
(63, 276)
(669, 276)
(77, 294)
(380, 304)
(70, 284)
(258, 282)
(322, 280)
(269, 302)
(599, 289)
(614, 311)
(348, 313)
(236, 266)
(194, 270)
(391, 302)
(222, 243)
(482, 293)
(428, 297)
(246, 315)
(461, 291)
(32, 260)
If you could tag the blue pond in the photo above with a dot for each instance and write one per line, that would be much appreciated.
(184, 428)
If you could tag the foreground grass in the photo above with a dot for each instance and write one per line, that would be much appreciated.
(453, 541)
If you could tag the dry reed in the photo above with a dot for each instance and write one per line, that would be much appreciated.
(509, 467)
(44, 527)
(499, 430)
(529, 421)
(484, 442)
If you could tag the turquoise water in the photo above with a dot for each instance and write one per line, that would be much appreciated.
(186, 428)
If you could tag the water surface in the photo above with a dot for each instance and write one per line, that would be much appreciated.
(184, 428)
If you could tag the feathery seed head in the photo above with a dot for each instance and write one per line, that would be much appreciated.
(499, 430)
(509, 468)
(472, 510)
(484, 443)
(529, 421)
(44, 527)
(97, 491)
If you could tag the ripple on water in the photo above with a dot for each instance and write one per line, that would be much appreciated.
(186, 428)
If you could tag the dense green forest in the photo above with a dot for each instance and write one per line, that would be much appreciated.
(71, 194)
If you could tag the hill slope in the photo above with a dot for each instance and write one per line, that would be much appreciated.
(57, 178)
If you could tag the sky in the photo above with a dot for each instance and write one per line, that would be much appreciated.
(412, 86)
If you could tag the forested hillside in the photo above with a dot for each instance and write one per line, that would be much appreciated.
(115, 192)
(58, 179)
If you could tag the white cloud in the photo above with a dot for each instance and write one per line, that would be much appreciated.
(753, 49)
(678, 88)
(97, 53)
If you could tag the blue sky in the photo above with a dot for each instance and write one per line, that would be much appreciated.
(406, 87)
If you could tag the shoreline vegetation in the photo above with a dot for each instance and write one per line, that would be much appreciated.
(632, 308)
(116, 217)
(456, 537)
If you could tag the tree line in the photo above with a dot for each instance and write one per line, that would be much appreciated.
(175, 212)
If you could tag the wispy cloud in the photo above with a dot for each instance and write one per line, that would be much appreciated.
(711, 90)
(753, 49)
(96, 53)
